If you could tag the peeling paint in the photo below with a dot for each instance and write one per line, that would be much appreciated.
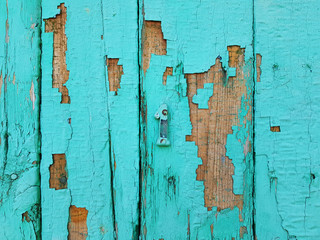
(60, 74)
(115, 73)
(275, 128)
(167, 72)
(58, 175)
(203, 95)
(152, 41)
(32, 96)
(77, 226)
(212, 126)
(258, 66)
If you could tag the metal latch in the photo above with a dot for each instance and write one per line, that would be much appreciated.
(162, 115)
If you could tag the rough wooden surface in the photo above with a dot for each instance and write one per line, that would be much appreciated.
(106, 67)
(19, 119)
(202, 183)
(95, 45)
(211, 127)
(60, 74)
(287, 120)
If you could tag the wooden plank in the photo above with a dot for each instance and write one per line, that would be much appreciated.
(74, 123)
(120, 22)
(90, 121)
(287, 119)
(19, 125)
(199, 187)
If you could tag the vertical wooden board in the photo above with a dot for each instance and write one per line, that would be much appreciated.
(120, 36)
(75, 123)
(287, 119)
(200, 186)
(19, 119)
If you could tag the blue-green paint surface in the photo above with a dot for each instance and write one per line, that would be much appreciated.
(85, 140)
(19, 123)
(203, 95)
(173, 200)
(120, 21)
(287, 162)
(102, 143)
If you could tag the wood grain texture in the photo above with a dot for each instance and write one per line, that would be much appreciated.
(79, 130)
(107, 67)
(210, 127)
(152, 42)
(58, 175)
(115, 73)
(120, 37)
(19, 119)
(98, 132)
(77, 226)
(60, 74)
(202, 183)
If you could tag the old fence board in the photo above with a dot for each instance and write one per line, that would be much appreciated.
(197, 59)
(287, 120)
(90, 92)
(19, 119)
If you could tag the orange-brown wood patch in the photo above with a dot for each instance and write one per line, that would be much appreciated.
(169, 71)
(258, 64)
(210, 128)
(115, 72)
(77, 225)
(25, 216)
(58, 175)
(152, 42)
(243, 231)
(60, 74)
(275, 129)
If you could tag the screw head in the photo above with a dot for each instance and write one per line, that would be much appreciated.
(14, 176)
(165, 112)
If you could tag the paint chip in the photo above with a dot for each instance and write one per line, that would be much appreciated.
(168, 72)
(258, 65)
(60, 74)
(212, 124)
(153, 42)
(115, 73)
(243, 231)
(32, 95)
(25, 216)
(203, 95)
(275, 128)
(58, 175)
(77, 226)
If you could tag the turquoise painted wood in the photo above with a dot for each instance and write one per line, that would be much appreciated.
(287, 96)
(19, 119)
(199, 187)
(91, 123)
(159, 119)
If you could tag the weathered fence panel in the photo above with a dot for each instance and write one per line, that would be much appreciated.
(19, 119)
(159, 119)
(197, 58)
(89, 120)
(287, 119)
